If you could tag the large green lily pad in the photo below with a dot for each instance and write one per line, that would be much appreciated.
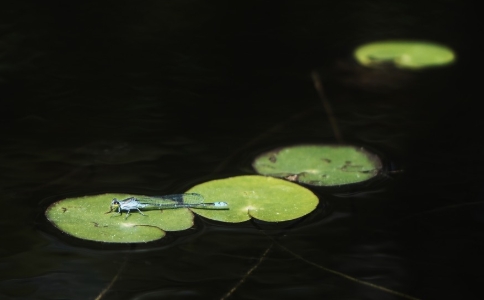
(404, 54)
(86, 218)
(319, 165)
(264, 198)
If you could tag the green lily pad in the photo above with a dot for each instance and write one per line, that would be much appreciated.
(264, 198)
(319, 165)
(404, 54)
(86, 218)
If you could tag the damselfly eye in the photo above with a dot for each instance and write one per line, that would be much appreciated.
(115, 202)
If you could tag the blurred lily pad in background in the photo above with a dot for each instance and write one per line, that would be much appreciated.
(85, 218)
(264, 198)
(404, 54)
(319, 165)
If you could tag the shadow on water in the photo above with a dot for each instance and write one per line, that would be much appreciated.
(153, 98)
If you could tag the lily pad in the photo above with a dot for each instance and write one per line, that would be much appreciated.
(86, 218)
(264, 198)
(319, 165)
(404, 54)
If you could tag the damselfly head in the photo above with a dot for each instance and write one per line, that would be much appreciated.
(114, 203)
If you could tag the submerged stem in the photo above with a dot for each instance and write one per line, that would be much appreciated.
(110, 285)
(318, 85)
(241, 281)
(343, 275)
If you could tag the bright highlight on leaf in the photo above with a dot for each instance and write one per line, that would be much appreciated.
(86, 218)
(404, 54)
(319, 165)
(264, 198)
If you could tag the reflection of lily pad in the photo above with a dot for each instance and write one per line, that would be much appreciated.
(85, 218)
(264, 198)
(404, 54)
(319, 165)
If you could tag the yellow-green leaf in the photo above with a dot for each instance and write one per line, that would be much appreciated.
(319, 165)
(404, 54)
(264, 198)
(86, 218)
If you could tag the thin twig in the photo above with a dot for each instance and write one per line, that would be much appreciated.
(372, 285)
(115, 278)
(263, 136)
(318, 85)
(241, 281)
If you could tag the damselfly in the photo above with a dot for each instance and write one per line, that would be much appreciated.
(189, 200)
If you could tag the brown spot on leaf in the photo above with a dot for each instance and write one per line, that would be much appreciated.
(351, 168)
(292, 177)
(97, 224)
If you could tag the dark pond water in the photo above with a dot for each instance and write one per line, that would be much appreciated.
(153, 98)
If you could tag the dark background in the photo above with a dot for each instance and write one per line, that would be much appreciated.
(155, 96)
